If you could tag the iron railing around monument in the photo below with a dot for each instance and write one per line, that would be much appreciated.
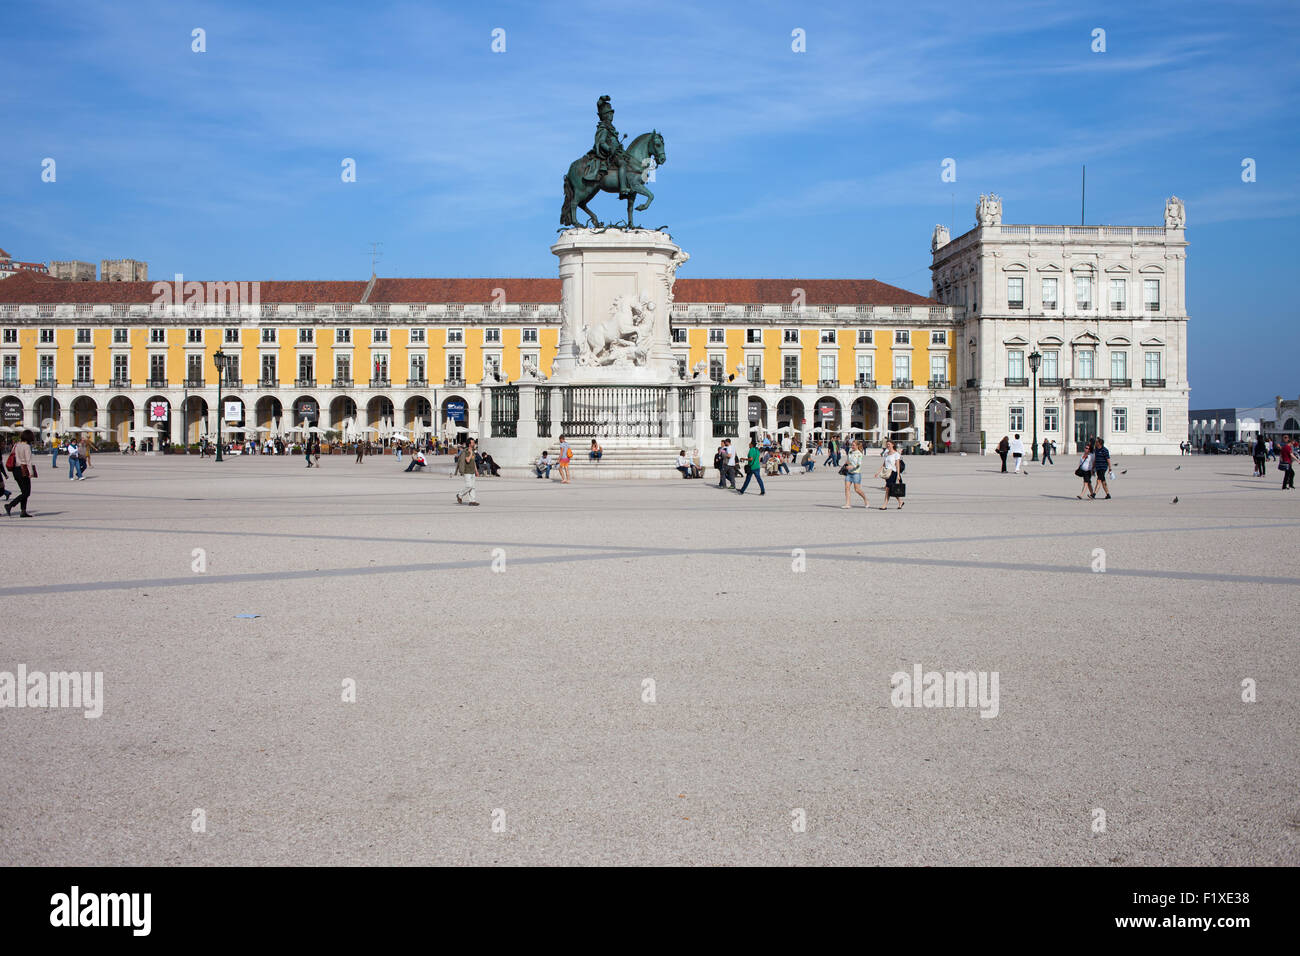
(543, 412)
(723, 405)
(505, 411)
(686, 411)
(614, 411)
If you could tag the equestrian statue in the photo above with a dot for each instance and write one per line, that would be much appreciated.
(608, 167)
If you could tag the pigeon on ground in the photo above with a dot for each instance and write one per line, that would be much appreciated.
(1179, 468)
(1125, 471)
(1175, 501)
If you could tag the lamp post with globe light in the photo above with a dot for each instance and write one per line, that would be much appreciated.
(1035, 359)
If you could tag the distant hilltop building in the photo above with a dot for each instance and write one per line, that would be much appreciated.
(73, 270)
(123, 270)
(11, 266)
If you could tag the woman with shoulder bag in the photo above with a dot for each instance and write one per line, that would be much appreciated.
(20, 466)
(853, 477)
(1084, 471)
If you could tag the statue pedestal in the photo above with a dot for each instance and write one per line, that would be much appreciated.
(602, 274)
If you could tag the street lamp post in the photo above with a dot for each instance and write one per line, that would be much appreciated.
(1034, 360)
(220, 358)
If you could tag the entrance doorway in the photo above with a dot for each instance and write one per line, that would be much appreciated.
(1085, 427)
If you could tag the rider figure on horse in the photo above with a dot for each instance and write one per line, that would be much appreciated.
(608, 151)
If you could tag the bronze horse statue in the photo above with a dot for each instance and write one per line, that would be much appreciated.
(579, 189)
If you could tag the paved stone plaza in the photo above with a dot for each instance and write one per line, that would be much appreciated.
(522, 691)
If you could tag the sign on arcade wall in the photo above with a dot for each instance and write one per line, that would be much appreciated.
(12, 411)
(158, 411)
(234, 412)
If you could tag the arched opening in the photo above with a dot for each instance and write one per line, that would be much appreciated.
(343, 414)
(865, 414)
(49, 415)
(121, 419)
(194, 419)
(757, 412)
(790, 413)
(379, 411)
(828, 416)
(937, 413)
(157, 422)
(269, 413)
(418, 413)
(902, 421)
(85, 413)
(12, 412)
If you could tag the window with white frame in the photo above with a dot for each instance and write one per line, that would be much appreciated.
(121, 368)
(1049, 294)
(343, 367)
(528, 337)
(492, 336)
(1083, 292)
(157, 336)
(1153, 419)
(379, 336)
(83, 369)
(83, 336)
(717, 368)
(938, 368)
(679, 336)
(1083, 363)
(1015, 363)
(455, 336)
(1119, 365)
(790, 336)
(46, 336)
(789, 368)
(902, 337)
(865, 368)
(1051, 367)
(10, 372)
(417, 336)
(864, 336)
(194, 336)
(753, 336)
(1151, 368)
(268, 368)
(46, 368)
(827, 337)
(938, 338)
(1118, 419)
(417, 367)
(158, 368)
(681, 366)
(754, 368)
(1051, 418)
(120, 337)
(193, 369)
(1016, 419)
(717, 336)
(306, 336)
(268, 336)
(1015, 292)
(492, 365)
(306, 367)
(902, 367)
(11, 336)
(343, 335)
(230, 336)
(1151, 296)
(1118, 295)
(455, 368)
(826, 368)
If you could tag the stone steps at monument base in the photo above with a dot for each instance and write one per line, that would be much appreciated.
(617, 462)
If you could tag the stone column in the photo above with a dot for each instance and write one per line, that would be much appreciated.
(703, 422)
(527, 426)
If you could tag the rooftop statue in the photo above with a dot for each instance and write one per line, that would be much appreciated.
(609, 167)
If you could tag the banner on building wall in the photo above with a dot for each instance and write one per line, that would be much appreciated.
(456, 411)
(158, 411)
(827, 411)
(12, 411)
(234, 411)
(307, 410)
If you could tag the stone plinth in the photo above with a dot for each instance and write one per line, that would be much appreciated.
(616, 292)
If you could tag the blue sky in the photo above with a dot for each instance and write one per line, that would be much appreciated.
(821, 164)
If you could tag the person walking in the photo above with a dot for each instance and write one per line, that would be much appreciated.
(397, 452)
(892, 469)
(306, 451)
(1048, 448)
(1260, 454)
(1018, 453)
(853, 476)
(1286, 462)
(733, 463)
(566, 456)
(1084, 471)
(3, 490)
(467, 467)
(360, 451)
(1004, 447)
(1100, 466)
(315, 450)
(20, 466)
(753, 468)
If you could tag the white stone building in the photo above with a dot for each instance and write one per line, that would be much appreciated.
(1103, 306)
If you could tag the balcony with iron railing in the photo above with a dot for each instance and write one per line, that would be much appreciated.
(47, 381)
(380, 381)
(157, 381)
(342, 382)
(420, 382)
(1121, 383)
(792, 383)
(939, 382)
(194, 381)
(865, 381)
(304, 383)
(1016, 382)
(1153, 383)
(902, 383)
(120, 381)
(828, 383)
(1049, 383)
(268, 383)
(456, 382)
(83, 381)
(1087, 383)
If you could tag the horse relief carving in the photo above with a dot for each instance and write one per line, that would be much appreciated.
(622, 337)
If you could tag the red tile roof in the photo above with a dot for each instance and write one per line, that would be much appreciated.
(31, 288)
